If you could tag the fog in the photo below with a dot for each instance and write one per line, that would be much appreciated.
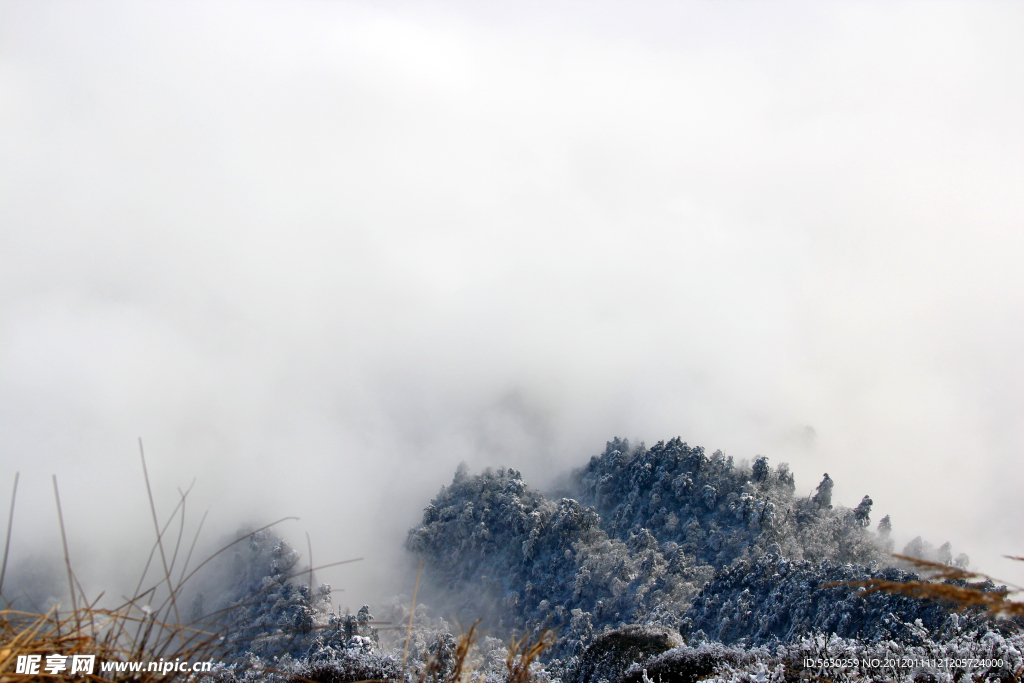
(316, 254)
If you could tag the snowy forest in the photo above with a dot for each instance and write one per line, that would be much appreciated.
(645, 564)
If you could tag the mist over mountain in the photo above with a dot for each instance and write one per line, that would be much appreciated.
(663, 557)
(648, 536)
(662, 560)
(316, 254)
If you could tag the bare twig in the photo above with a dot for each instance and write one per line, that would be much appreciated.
(181, 528)
(192, 547)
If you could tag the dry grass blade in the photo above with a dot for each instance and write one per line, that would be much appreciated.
(67, 557)
(938, 570)
(995, 602)
(408, 632)
(10, 522)
(450, 668)
(937, 587)
(159, 539)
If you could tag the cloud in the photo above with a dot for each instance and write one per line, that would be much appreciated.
(317, 254)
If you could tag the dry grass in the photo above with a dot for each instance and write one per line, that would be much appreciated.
(87, 631)
(132, 632)
(144, 628)
(937, 585)
(148, 627)
(524, 651)
(440, 670)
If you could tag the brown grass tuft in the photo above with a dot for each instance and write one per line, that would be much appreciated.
(145, 628)
(440, 670)
(522, 652)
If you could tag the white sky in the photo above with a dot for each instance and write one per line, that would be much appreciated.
(317, 253)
